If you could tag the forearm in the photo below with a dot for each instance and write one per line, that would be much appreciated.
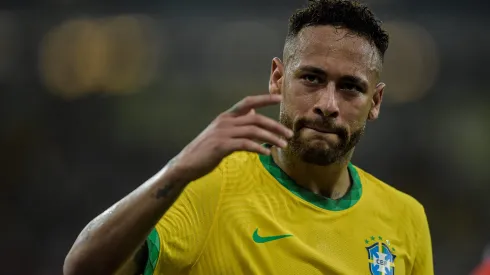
(112, 237)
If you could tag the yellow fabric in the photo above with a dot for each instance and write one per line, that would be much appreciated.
(210, 228)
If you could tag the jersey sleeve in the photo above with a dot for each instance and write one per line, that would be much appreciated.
(423, 258)
(180, 236)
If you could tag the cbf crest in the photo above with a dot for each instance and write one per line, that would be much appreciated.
(381, 257)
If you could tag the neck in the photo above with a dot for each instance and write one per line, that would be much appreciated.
(332, 181)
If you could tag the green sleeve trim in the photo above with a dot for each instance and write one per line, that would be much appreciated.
(153, 242)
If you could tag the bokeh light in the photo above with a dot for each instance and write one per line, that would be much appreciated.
(411, 62)
(112, 55)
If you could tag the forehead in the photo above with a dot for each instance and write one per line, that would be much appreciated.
(337, 51)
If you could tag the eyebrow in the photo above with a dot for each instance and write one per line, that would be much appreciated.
(346, 78)
(311, 69)
(355, 80)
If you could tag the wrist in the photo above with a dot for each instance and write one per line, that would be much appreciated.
(176, 173)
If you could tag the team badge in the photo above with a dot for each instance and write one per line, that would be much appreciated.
(381, 257)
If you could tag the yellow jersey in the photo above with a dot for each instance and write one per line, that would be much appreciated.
(250, 217)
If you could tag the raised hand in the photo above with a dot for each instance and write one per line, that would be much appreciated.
(237, 129)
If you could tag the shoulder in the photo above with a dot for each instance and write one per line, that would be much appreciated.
(239, 163)
(231, 167)
(241, 158)
(396, 199)
(406, 216)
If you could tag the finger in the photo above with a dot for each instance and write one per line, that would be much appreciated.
(256, 133)
(243, 144)
(265, 123)
(251, 102)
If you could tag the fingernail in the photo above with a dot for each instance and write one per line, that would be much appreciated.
(284, 143)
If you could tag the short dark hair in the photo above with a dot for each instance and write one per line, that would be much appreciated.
(352, 15)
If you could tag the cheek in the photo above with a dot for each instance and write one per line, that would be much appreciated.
(288, 111)
(354, 111)
(299, 99)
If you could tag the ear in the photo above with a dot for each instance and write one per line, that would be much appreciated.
(277, 77)
(376, 101)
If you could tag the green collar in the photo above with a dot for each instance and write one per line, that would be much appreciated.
(348, 200)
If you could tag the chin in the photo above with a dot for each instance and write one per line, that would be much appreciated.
(318, 152)
(320, 157)
(320, 144)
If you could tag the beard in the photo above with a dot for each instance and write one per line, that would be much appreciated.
(309, 152)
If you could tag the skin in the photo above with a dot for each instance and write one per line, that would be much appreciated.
(330, 87)
(114, 241)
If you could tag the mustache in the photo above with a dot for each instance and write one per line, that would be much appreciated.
(322, 124)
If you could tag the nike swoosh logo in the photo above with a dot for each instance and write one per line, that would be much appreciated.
(259, 239)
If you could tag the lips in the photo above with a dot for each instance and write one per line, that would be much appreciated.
(322, 130)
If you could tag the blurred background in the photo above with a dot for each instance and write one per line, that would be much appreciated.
(96, 96)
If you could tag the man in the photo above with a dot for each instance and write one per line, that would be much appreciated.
(295, 204)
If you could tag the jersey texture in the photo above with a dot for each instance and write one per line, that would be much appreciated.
(249, 217)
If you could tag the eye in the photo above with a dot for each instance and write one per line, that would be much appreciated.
(311, 79)
(351, 87)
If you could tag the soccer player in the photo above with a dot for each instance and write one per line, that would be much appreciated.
(250, 195)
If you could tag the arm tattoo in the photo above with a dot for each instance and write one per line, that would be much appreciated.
(163, 192)
(140, 259)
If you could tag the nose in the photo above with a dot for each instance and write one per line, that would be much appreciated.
(326, 104)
